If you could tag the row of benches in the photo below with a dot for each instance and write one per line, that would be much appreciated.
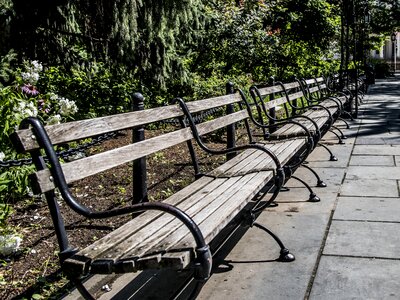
(183, 231)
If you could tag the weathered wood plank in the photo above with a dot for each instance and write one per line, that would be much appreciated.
(231, 208)
(291, 85)
(131, 228)
(88, 166)
(270, 90)
(72, 131)
(157, 231)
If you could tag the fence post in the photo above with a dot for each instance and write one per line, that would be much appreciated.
(272, 111)
(230, 129)
(139, 173)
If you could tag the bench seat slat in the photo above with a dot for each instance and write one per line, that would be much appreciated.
(194, 205)
(256, 184)
(167, 224)
(219, 219)
(204, 206)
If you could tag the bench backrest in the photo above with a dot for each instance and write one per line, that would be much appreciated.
(26, 140)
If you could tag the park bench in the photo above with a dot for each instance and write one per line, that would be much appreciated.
(306, 101)
(182, 231)
(303, 102)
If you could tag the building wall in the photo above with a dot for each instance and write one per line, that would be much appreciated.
(386, 51)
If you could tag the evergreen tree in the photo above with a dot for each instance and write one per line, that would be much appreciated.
(148, 36)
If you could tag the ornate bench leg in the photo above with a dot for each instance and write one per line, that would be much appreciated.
(333, 157)
(285, 255)
(345, 122)
(313, 197)
(341, 132)
(320, 183)
(339, 138)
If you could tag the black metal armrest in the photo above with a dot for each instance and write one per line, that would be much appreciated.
(199, 141)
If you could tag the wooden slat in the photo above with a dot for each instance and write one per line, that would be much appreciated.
(313, 89)
(206, 104)
(88, 166)
(76, 130)
(310, 81)
(228, 211)
(230, 198)
(133, 227)
(291, 85)
(270, 90)
(276, 102)
(294, 96)
(72, 131)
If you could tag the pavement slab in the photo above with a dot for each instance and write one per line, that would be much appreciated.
(368, 209)
(352, 278)
(370, 188)
(364, 239)
(372, 172)
(376, 150)
(371, 160)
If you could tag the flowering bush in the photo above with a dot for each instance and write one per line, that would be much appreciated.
(20, 99)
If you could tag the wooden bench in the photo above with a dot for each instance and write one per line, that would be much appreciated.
(182, 231)
(302, 102)
(306, 103)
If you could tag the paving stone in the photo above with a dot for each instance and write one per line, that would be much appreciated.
(366, 239)
(249, 273)
(376, 150)
(348, 278)
(368, 209)
(372, 172)
(370, 141)
(371, 188)
(371, 160)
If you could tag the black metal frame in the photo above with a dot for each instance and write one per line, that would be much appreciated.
(279, 179)
(203, 261)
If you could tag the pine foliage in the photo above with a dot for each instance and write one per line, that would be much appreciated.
(149, 36)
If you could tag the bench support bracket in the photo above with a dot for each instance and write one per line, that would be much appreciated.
(285, 255)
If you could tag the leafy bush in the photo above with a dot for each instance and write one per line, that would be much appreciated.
(97, 88)
(382, 69)
(20, 98)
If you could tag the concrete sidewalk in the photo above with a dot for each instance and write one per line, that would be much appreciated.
(347, 246)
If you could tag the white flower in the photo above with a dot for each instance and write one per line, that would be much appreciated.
(52, 120)
(67, 107)
(31, 74)
(2, 156)
(9, 244)
(31, 110)
(30, 77)
(37, 66)
(53, 97)
(26, 109)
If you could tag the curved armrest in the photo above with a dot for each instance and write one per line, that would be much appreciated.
(309, 119)
(197, 137)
